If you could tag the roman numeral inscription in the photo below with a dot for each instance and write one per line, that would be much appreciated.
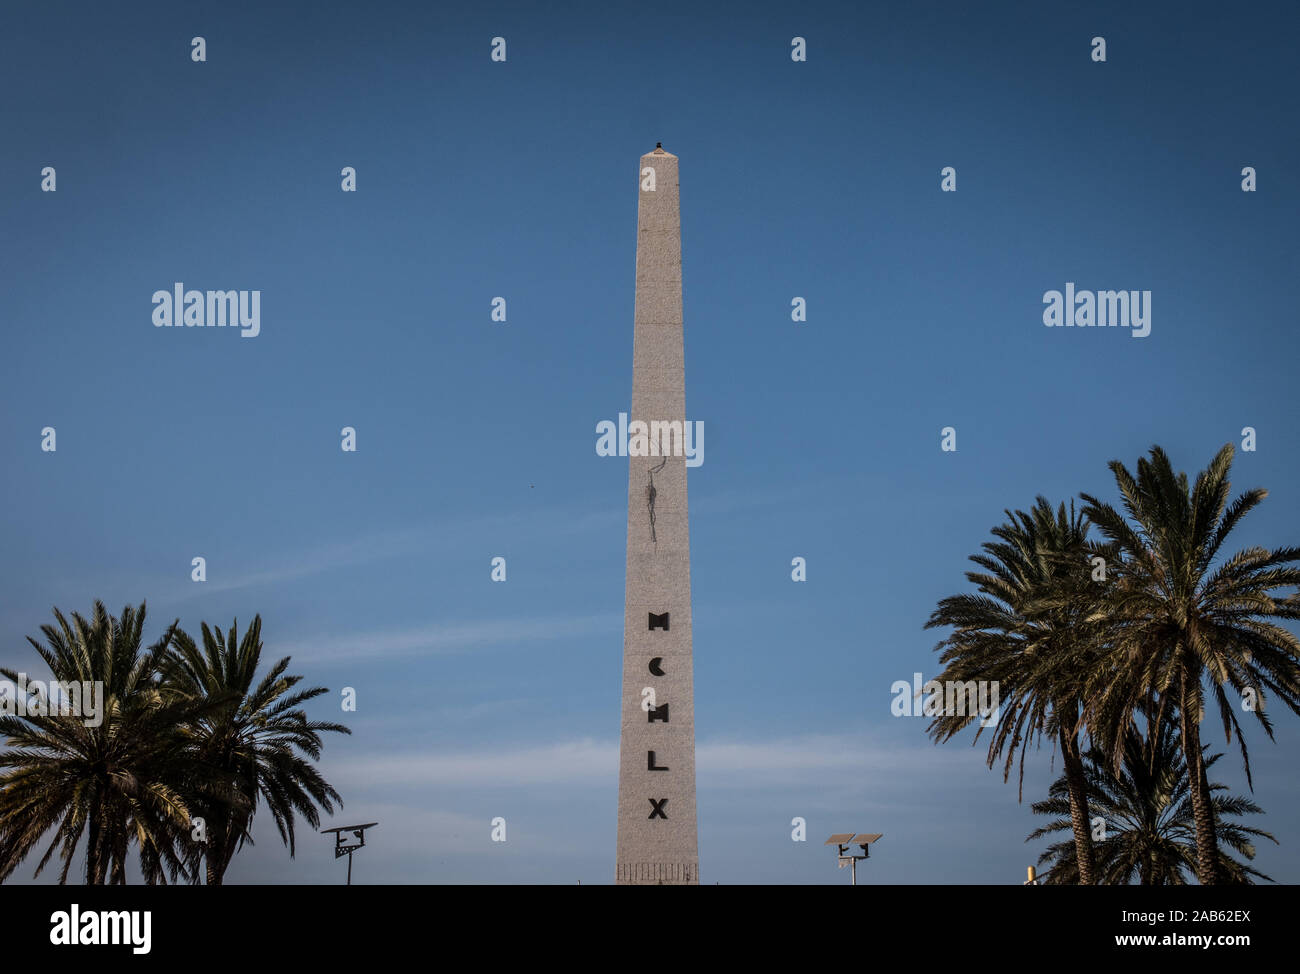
(657, 756)
(655, 873)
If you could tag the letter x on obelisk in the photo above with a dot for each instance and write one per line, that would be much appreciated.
(657, 842)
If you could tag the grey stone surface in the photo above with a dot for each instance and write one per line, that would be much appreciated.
(658, 851)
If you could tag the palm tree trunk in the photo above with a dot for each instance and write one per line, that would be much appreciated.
(218, 856)
(1207, 846)
(233, 825)
(214, 859)
(92, 846)
(96, 857)
(1078, 789)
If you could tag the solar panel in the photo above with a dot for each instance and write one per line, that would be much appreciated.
(865, 838)
(839, 838)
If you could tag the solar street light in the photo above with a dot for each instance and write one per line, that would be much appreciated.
(341, 846)
(844, 840)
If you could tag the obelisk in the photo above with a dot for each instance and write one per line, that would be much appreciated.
(657, 841)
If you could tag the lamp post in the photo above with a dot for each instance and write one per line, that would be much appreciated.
(341, 847)
(842, 841)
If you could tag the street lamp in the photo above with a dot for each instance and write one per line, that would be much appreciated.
(842, 841)
(341, 848)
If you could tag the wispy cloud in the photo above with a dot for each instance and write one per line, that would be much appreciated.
(418, 538)
(382, 545)
(791, 760)
(450, 637)
(569, 762)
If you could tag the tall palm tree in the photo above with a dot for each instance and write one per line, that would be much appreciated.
(1033, 631)
(120, 783)
(1150, 824)
(254, 733)
(1182, 626)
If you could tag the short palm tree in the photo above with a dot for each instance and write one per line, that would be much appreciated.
(254, 733)
(1186, 620)
(1032, 631)
(1150, 825)
(113, 785)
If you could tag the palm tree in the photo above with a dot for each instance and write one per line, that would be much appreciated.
(1150, 824)
(115, 784)
(1181, 626)
(1033, 632)
(253, 734)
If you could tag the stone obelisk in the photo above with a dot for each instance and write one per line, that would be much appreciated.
(657, 841)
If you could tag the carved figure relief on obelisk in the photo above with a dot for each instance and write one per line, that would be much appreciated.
(657, 841)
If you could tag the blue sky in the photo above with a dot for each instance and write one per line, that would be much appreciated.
(476, 439)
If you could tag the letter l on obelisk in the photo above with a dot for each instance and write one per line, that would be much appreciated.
(657, 840)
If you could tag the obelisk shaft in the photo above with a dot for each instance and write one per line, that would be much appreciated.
(657, 839)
